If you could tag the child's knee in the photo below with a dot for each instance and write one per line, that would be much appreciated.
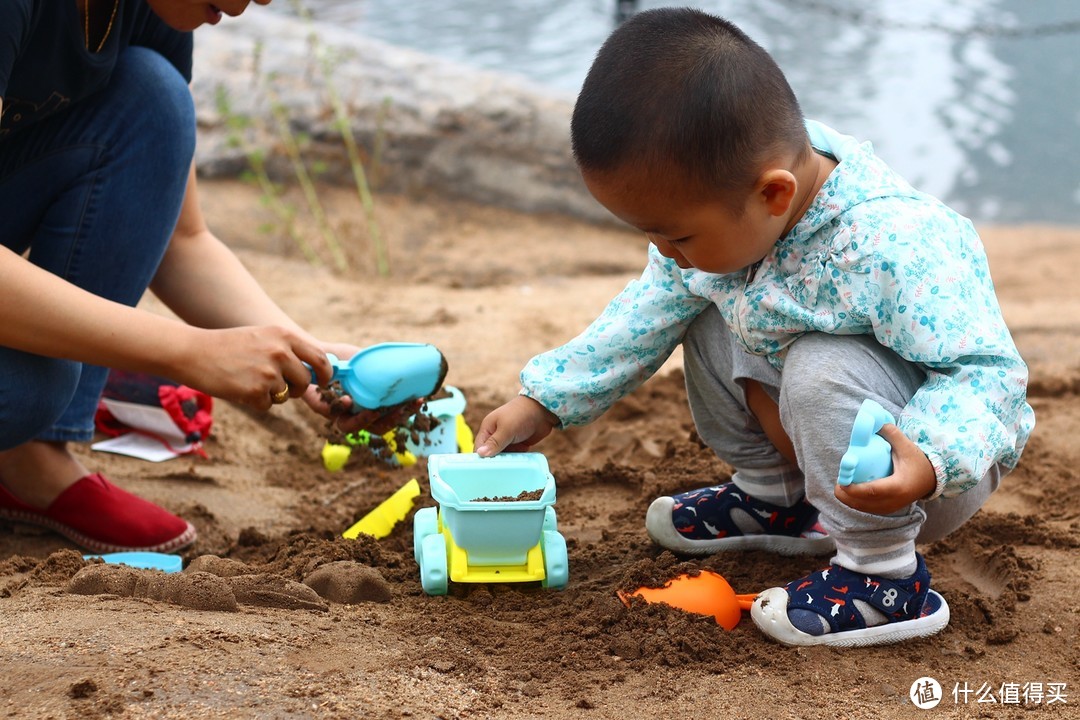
(819, 365)
(811, 367)
(706, 334)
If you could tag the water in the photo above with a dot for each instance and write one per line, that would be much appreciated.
(975, 101)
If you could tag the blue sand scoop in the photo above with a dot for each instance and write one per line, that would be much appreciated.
(142, 560)
(869, 456)
(389, 374)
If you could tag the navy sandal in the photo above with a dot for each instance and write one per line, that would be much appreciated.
(841, 608)
(700, 522)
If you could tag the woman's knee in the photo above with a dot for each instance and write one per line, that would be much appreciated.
(157, 104)
(36, 392)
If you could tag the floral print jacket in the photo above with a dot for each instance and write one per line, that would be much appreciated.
(871, 255)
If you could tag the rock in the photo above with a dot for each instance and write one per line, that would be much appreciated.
(442, 126)
(349, 583)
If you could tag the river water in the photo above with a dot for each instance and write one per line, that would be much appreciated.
(975, 101)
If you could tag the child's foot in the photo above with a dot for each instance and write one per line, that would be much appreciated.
(723, 517)
(838, 607)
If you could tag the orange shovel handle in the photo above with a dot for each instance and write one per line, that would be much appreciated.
(746, 601)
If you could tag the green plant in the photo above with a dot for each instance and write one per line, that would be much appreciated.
(291, 143)
(236, 126)
(342, 125)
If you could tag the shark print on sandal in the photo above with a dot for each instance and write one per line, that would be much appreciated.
(723, 518)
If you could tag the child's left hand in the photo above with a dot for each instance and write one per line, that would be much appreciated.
(912, 480)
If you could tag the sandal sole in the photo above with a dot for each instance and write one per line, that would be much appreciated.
(769, 613)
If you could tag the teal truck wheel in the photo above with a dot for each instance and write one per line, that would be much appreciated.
(556, 562)
(425, 523)
(433, 568)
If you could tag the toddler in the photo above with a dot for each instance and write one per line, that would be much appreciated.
(802, 276)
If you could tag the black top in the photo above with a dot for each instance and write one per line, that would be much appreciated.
(44, 63)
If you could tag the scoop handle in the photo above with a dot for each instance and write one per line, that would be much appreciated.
(746, 600)
(335, 363)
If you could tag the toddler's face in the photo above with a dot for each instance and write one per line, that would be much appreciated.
(693, 231)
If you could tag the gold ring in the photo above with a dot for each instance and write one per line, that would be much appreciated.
(280, 396)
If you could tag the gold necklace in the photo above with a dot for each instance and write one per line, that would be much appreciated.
(86, 27)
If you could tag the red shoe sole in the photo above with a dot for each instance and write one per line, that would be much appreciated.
(180, 541)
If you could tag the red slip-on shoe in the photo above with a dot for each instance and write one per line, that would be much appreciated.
(103, 518)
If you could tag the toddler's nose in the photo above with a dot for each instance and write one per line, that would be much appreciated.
(668, 250)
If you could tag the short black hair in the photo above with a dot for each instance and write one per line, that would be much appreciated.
(682, 90)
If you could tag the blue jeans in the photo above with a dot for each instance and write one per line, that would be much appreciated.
(93, 193)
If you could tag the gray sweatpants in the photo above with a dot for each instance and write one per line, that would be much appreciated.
(824, 382)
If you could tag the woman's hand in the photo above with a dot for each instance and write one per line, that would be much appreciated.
(514, 427)
(340, 410)
(249, 365)
(913, 479)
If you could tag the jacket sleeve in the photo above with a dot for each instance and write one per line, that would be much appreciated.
(620, 350)
(937, 308)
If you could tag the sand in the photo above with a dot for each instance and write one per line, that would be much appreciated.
(277, 616)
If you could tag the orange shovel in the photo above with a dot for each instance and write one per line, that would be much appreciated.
(705, 594)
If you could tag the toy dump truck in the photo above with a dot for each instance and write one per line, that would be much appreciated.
(495, 523)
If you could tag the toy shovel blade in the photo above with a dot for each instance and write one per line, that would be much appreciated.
(706, 593)
(390, 374)
(142, 560)
(381, 521)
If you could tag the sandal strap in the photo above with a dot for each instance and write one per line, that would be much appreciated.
(713, 505)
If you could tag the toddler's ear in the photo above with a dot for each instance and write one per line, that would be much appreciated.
(777, 188)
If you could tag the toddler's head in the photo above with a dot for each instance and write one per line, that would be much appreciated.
(682, 108)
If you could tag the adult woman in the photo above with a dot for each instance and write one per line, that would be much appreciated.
(98, 201)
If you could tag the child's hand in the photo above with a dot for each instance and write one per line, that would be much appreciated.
(515, 427)
(913, 479)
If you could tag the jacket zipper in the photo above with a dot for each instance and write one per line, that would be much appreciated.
(741, 303)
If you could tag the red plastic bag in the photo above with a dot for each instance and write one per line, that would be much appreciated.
(178, 415)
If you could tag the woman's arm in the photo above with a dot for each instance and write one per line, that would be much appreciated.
(204, 283)
(46, 315)
(246, 349)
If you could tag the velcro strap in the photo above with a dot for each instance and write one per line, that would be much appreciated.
(887, 596)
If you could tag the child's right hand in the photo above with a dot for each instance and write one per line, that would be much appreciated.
(514, 427)
(913, 479)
